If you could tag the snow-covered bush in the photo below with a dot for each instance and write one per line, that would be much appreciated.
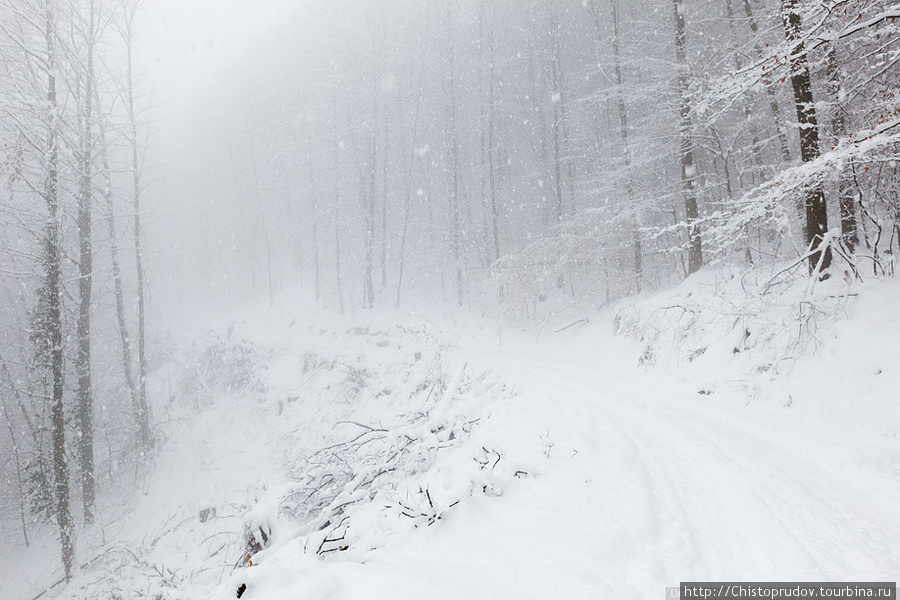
(409, 471)
(225, 366)
(758, 321)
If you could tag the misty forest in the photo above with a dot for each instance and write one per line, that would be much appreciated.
(447, 298)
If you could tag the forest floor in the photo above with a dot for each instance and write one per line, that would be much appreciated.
(684, 436)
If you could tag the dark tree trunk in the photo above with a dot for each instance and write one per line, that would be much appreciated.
(85, 408)
(53, 273)
(688, 168)
(814, 203)
(839, 129)
(626, 150)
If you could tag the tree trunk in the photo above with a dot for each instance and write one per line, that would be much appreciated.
(146, 439)
(492, 173)
(755, 148)
(688, 169)
(85, 406)
(143, 426)
(53, 266)
(261, 218)
(486, 120)
(626, 150)
(409, 178)
(384, 203)
(556, 102)
(560, 124)
(454, 168)
(769, 87)
(15, 446)
(337, 213)
(839, 129)
(814, 203)
(315, 229)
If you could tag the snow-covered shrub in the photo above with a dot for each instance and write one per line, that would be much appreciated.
(730, 324)
(226, 366)
(410, 470)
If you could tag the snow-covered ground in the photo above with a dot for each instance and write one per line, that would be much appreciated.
(703, 433)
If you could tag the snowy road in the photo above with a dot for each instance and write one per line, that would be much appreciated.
(661, 486)
(610, 481)
(636, 484)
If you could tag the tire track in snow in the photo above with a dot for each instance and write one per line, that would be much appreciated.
(755, 509)
(851, 529)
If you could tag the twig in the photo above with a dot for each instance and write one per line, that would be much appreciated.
(359, 425)
(49, 588)
(573, 324)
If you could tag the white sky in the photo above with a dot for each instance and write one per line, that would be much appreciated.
(184, 46)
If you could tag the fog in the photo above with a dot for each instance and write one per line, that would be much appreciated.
(447, 298)
(195, 61)
(338, 121)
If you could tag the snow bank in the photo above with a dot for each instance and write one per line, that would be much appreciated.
(761, 338)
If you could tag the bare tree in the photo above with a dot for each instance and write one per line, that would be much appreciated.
(140, 416)
(814, 203)
(453, 142)
(85, 83)
(487, 14)
(688, 167)
(768, 84)
(53, 291)
(840, 129)
(129, 9)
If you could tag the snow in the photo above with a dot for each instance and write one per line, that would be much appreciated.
(610, 460)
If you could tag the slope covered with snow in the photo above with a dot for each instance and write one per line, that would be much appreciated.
(703, 433)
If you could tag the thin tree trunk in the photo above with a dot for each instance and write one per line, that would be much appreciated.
(537, 106)
(15, 445)
(556, 101)
(144, 405)
(839, 129)
(492, 174)
(265, 228)
(755, 149)
(626, 150)
(85, 407)
(29, 421)
(384, 203)
(315, 229)
(769, 86)
(369, 197)
(454, 168)
(369, 234)
(143, 425)
(337, 247)
(561, 129)
(337, 213)
(409, 174)
(488, 249)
